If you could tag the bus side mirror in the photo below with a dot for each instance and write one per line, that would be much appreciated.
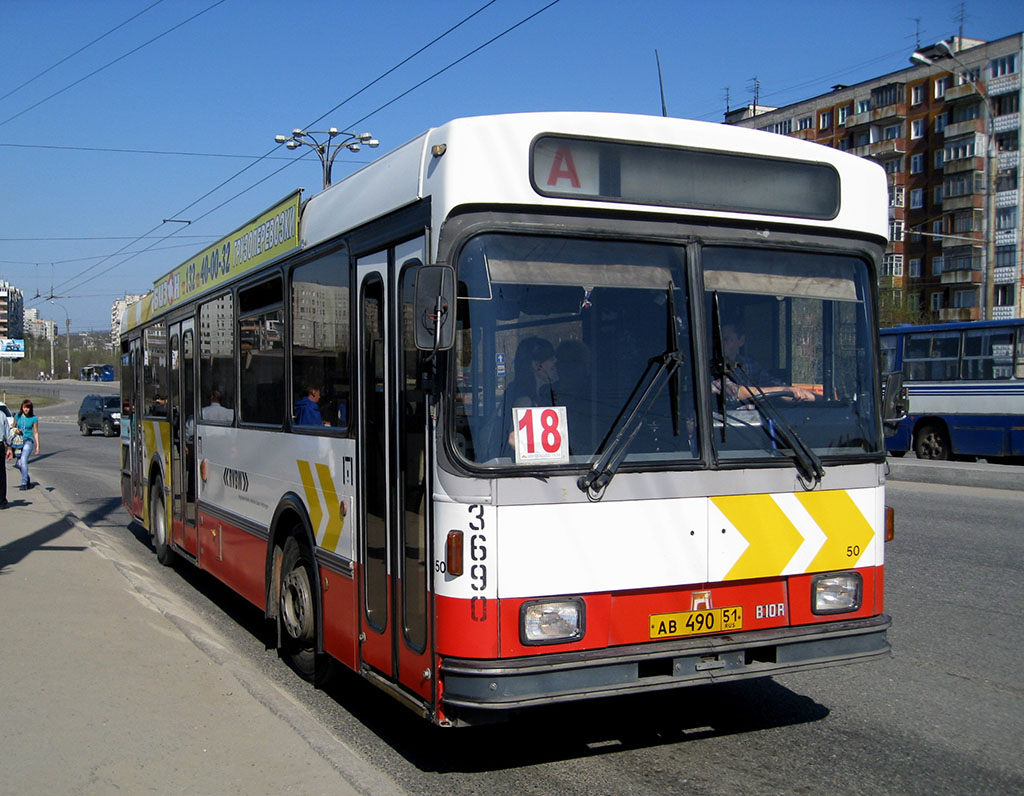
(895, 402)
(434, 307)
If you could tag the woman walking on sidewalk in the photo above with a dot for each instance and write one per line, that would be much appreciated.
(28, 425)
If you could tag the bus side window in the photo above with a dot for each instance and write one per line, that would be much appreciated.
(320, 349)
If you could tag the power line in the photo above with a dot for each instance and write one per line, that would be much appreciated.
(80, 49)
(267, 155)
(111, 63)
(121, 150)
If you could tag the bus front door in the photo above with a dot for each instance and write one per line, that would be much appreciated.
(393, 463)
(183, 435)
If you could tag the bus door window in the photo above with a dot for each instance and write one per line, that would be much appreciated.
(261, 350)
(320, 300)
(188, 409)
(414, 375)
(174, 402)
(374, 436)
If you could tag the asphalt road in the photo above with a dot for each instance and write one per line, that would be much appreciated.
(944, 714)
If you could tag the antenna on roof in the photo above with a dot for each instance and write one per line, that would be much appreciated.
(661, 85)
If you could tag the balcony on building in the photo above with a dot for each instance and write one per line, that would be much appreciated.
(964, 91)
(1006, 122)
(973, 163)
(960, 314)
(963, 128)
(881, 150)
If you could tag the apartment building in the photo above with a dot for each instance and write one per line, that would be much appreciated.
(947, 131)
(12, 311)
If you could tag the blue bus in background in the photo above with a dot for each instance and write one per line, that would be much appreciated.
(966, 387)
(96, 373)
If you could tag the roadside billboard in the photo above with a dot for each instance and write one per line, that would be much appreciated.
(12, 348)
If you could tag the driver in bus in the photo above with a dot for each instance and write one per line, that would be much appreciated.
(760, 380)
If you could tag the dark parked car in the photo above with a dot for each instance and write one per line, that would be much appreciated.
(100, 413)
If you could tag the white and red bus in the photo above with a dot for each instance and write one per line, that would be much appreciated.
(534, 408)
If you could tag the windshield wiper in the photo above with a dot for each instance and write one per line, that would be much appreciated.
(807, 461)
(628, 424)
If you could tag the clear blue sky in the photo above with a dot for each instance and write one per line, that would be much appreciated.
(226, 81)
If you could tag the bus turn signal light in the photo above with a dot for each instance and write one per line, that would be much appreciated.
(453, 553)
(890, 523)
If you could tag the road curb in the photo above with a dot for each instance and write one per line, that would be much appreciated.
(986, 476)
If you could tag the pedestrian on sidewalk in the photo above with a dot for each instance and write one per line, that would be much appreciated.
(6, 437)
(28, 425)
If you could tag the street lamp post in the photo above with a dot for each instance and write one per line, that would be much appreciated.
(327, 149)
(990, 171)
(67, 332)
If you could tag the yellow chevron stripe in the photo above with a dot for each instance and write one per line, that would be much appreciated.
(847, 531)
(772, 538)
(333, 503)
(312, 498)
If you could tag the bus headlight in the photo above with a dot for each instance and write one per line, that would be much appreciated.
(838, 593)
(551, 621)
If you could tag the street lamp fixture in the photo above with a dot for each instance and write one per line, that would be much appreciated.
(920, 59)
(327, 149)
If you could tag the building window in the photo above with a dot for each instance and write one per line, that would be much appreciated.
(959, 149)
(917, 128)
(892, 265)
(938, 227)
(937, 263)
(916, 198)
(892, 132)
(1006, 218)
(1006, 256)
(917, 94)
(863, 105)
(940, 158)
(893, 166)
(896, 196)
(940, 122)
(844, 111)
(825, 120)
(804, 123)
(895, 231)
(937, 198)
(914, 302)
(914, 268)
(936, 299)
(941, 84)
(1004, 295)
(1006, 65)
(971, 76)
(965, 298)
(844, 144)
(916, 164)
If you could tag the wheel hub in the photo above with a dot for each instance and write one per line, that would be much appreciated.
(297, 605)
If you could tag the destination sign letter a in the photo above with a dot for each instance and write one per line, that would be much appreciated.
(563, 168)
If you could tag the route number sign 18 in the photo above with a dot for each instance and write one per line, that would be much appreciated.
(541, 434)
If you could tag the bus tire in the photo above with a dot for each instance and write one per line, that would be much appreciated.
(158, 525)
(297, 613)
(931, 442)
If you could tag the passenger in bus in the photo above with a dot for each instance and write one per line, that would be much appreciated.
(159, 406)
(307, 408)
(214, 410)
(574, 391)
(759, 379)
(536, 371)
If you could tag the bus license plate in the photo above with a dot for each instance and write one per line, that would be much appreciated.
(691, 623)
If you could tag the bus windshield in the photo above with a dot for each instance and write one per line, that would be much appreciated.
(795, 356)
(601, 332)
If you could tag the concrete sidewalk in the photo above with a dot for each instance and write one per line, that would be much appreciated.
(973, 474)
(108, 684)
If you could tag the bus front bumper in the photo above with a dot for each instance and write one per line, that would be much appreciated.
(541, 680)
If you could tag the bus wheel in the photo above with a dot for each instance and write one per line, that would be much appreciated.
(930, 443)
(158, 525)
(297, 612)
